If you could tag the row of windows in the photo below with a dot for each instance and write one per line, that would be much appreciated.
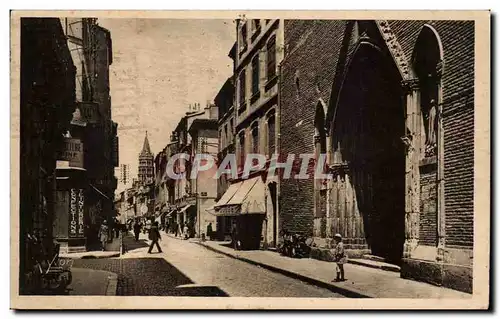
(254, 146)
(225, 134)
(255, 69)
(255, 25)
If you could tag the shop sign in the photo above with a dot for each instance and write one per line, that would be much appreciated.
(76, 213)
(89, 112)
(232, 210)
(72, 152)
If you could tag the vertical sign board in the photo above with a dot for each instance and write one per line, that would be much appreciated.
(76, 213)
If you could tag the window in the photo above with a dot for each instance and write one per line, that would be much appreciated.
(241, 146)
(255, 29)
(297, 86)
(271, 123)
(255, 138)
(255, 25)
(231, 126)
(226, 137)
(243, 38)
(271, 58)
(255, 74)
(242, 82)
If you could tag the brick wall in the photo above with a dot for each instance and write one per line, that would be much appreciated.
(459, 171)
(311, 54)
(457, 38)
(428, 207)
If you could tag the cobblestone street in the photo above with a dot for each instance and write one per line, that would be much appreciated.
(187, 269)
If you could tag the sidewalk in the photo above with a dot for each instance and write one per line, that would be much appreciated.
(89, 282)
(112, 250)
(362, 282)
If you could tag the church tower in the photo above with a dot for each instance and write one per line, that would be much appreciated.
(146, 169)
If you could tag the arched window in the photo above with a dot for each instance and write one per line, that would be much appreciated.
(319, 130)
(427, 63)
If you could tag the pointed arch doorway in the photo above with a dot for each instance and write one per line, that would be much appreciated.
(369, 182)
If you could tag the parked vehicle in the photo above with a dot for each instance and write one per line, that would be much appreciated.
(295, 245)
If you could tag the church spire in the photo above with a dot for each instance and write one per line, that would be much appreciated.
(146, 150)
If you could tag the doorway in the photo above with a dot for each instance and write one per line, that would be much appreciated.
(368, 126)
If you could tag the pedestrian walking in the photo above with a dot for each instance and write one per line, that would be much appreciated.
(176, 229)
(154, 236)
(103, 234)
(117, 227)
(185, 231)
(234, 235)
(209, 231)
(137, 230)
(340, 257)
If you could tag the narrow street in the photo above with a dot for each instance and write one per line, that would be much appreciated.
(188, 269)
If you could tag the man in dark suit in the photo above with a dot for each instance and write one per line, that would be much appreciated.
(154, 236)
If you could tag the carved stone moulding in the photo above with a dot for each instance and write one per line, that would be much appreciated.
(339, 169)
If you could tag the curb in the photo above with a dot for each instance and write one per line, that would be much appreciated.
(351, 293)
(112, 285)
(382, 267)
(91, 256)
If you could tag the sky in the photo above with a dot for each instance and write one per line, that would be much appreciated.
(160, 66)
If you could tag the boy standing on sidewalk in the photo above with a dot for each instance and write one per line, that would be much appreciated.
(340, 257)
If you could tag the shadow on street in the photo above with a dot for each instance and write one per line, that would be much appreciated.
(149, 277)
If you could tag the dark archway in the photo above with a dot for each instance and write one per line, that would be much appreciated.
(367, 131)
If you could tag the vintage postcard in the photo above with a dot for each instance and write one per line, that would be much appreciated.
(250, 160)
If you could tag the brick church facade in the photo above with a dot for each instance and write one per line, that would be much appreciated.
(391, 104)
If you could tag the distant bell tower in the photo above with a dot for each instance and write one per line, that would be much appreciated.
(146, 168)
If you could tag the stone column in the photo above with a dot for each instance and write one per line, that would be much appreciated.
(412, 184)
(441, 217)
(329, 186)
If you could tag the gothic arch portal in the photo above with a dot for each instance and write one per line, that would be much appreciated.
(368, 187)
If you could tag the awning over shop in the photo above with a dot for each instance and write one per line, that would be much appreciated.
(233, 188)
(158, 219)
(248, 199)
(183, 209)
(169, 213)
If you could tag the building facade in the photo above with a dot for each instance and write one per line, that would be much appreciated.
(47, 101)
(86, 165)
(224, 101)
(184, 200)
(383, 101)
(204, 135)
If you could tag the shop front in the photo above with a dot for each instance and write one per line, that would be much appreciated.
(71, 190)
(244, 204)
